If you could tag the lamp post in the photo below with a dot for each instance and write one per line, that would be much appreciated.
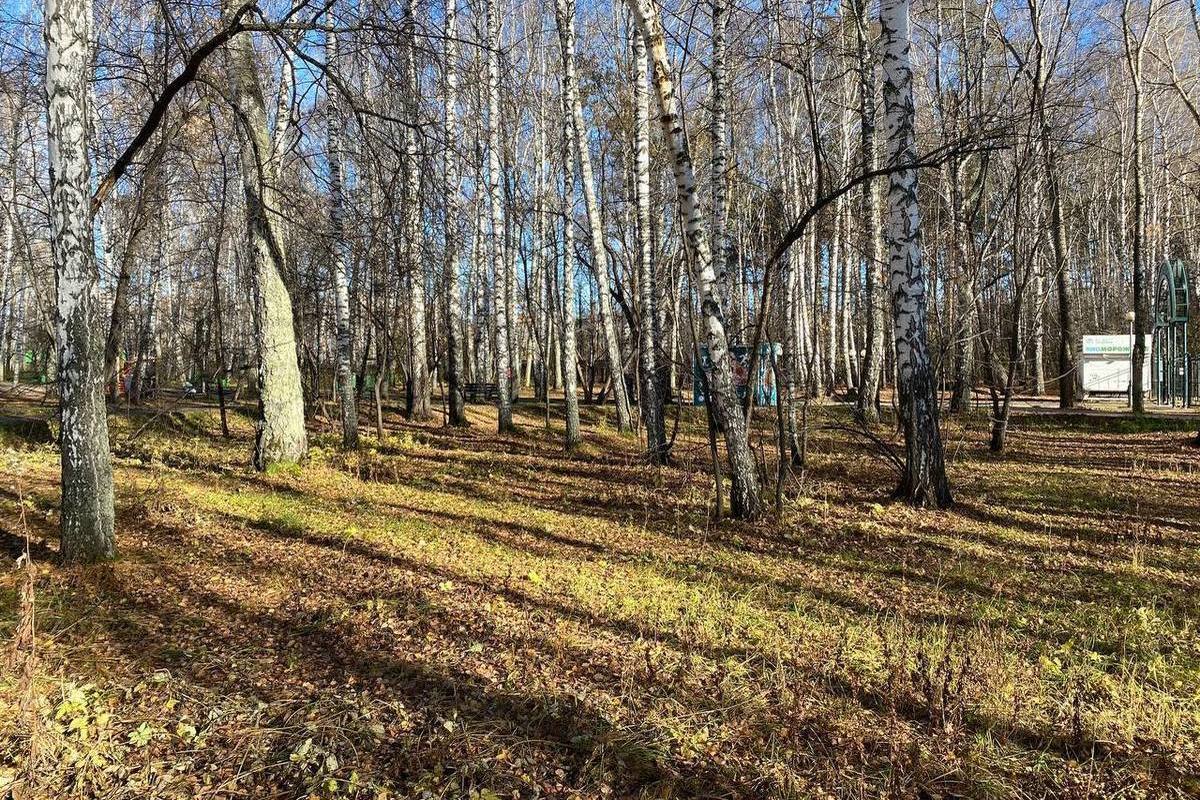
(1129, 317)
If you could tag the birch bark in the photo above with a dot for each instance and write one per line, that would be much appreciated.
(866, 405)
(565, 15)
(744, 500)
(496, 202)
(924, 481)
(8, 274)
(720, 135)
(87, 490)
(791, 339)
(339, 249)
(651, 397)
(566, 331)
(452, 223)
(418, 365)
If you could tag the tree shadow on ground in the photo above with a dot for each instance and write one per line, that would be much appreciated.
(489, 680)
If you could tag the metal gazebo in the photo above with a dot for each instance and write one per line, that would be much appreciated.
(1172, 369)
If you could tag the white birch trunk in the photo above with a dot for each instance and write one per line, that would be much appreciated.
(833, 265)
(720, 134)
(791, 338)
(339, 250)
(1039, 327)
(744, 500)
(452, 229)
(496, 198)
(651, 399)
(566, 330)
(8, 274)
(87, 489)
(866, 406)
(565, 14)
(536, 307)
(414, 240)
(924, 481)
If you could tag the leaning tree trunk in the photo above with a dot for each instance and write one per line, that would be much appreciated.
(744, 500)
(652, 405)
(339, 247)
(496, 200)
(452, 224)
(87, 488)
(280, 435)
(924, 481)
(565, 15)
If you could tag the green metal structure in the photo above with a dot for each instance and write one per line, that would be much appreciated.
(1171, 374)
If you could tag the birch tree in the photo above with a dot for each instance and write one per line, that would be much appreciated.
(9, 278)
(651, 401)
(339, 250)
(867, 401)
(719, 10)
(565, 16)
(280, 436)
(567, 327)
(452, 221)
(924, 481)
(86, 521)
(744, 500)
(494, 178)
(418, 365)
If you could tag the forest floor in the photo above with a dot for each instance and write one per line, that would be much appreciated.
(455, 614)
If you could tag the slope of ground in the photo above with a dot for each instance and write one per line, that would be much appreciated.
(453, 614)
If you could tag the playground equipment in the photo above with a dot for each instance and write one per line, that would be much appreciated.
(739, 356)
(1171, 375)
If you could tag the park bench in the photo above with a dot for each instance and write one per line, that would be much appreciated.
(481, 392)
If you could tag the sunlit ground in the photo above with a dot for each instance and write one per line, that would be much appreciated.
(453, 614)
